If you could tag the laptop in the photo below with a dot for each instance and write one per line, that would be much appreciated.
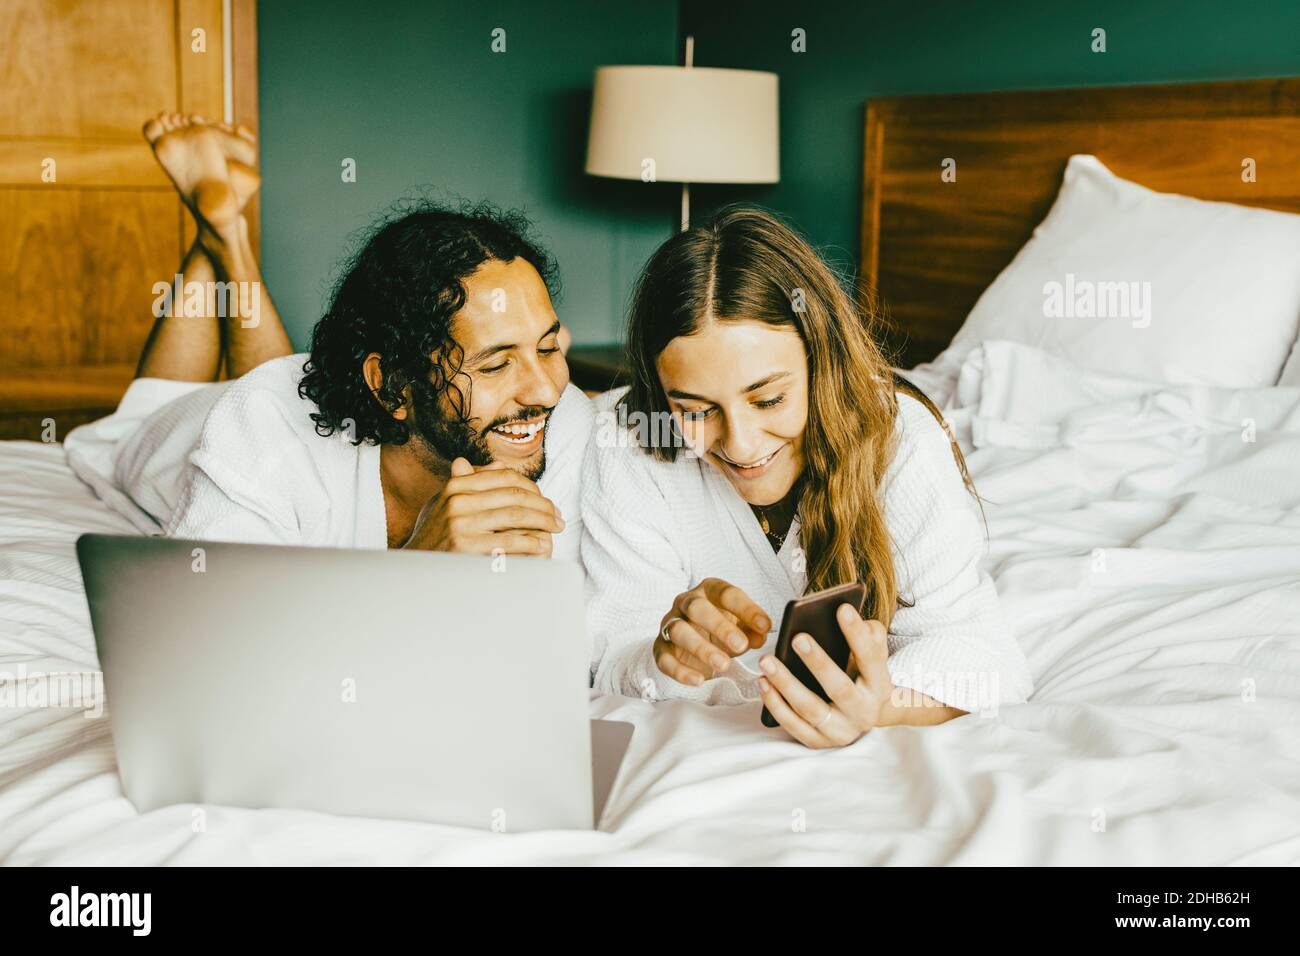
(398, 684)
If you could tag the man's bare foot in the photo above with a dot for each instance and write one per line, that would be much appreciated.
(211, 165)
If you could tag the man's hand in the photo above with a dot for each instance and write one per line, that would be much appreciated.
(487, 510)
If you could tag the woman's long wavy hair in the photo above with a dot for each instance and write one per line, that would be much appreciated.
(744, 264)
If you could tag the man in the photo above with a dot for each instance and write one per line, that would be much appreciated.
(434, 411)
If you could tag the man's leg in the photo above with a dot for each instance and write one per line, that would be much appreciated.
(212, 167)
(252, 332)
(181, 347)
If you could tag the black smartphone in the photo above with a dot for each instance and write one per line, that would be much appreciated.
(814, 615)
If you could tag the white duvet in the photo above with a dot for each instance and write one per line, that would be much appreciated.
(1146, 544)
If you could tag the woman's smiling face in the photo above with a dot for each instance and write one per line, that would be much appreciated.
(739, 392)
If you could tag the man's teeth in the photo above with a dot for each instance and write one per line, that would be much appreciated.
(519, 434)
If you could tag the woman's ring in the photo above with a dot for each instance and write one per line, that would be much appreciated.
(663, 631)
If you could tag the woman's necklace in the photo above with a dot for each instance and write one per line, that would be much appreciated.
(777, 518)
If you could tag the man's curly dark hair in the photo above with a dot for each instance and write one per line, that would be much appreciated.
(396, 296)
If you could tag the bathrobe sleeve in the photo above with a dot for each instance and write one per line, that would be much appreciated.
(634, 565)
(250, 479)
(952, 642)
(637, 561)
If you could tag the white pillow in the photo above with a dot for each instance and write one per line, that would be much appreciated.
(1122, 279)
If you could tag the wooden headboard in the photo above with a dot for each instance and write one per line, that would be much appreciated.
(930, 247)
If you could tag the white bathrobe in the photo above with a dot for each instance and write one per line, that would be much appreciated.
(242, 461)
(654, 529)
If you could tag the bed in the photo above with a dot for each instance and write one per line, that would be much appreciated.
(1148, 559)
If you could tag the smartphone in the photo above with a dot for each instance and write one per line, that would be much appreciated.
(814, 615)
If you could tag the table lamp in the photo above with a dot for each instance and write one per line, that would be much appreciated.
(684, 125)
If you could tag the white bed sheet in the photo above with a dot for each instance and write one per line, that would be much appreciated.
(1165, 727)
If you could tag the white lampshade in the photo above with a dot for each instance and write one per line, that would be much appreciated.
(699, 125)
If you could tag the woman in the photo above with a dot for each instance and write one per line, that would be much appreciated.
(796, 461)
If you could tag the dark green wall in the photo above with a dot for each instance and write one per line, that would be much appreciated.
(413, 93)
(858, 50)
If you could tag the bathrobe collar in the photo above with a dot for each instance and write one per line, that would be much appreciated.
(783, 569)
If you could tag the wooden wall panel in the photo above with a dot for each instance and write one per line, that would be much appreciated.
(201, 86)
(77, 269)
(80, 164)
(138, 232)
(79, 255)
(81, 69)
(40, 298)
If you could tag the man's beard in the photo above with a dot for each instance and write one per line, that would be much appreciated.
(453, 438)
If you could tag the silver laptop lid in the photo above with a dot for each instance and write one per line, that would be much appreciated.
(409, 685)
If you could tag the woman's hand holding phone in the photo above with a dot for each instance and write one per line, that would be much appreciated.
(706, 627)
(856, 705)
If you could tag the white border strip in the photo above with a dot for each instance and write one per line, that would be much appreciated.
(227, 62)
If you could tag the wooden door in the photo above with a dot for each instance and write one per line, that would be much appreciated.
(88, 222)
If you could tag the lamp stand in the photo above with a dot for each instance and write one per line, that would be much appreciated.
(686, 187)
